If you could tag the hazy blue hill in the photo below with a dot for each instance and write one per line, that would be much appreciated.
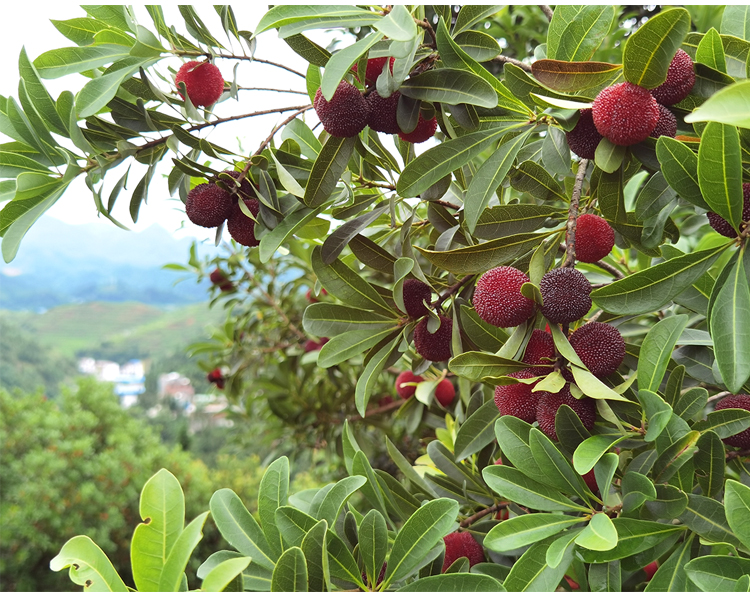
(59, 264)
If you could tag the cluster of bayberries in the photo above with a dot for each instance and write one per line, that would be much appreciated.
(349, 111)
(627, 114)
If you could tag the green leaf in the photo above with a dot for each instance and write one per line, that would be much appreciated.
(591, 450)
(477, 365)
(730, 106)
(479, 258)
(398, 24)
(39, 96)
(293, 524)
(454, 582)
(649, 51)
(342, 61)
(531, 572)
(675, 456)
(451, 86)
(679, 165)
(709, 464)
(337, 241)
(633, 536)
(730, 328)
(298, 131)
(691, 403)
(471, 14)
(371, 373)
(671, 575)
(337, 496)
(567, 77)
(521, 531)
(513, 438)
(89, 566)
(576, 32)
(327, 169)
(489, 176)
(98, 92)
(290, 573)
(656, 351)
(328, 319)
(652, 288)
(720, 171)
(173, 572)
(477, 431)
(725, 423)
(421, 532)
(272, 494)
(605, 577)
(636, 489)
(560, 546)
(514, 485)
(478, 45)
(439, 161)
(737, 508)
(373, 543)
(556, 469)
(556, 152)
(609, 156)
(736, 21)
(658, 412)
(717, 573)
(407, 469)
(705, 516)
(316, 556)
(224, 573)
(532, 178)
(71, 60)
(239, 527)
(600, 534)
(162, 508)
(711, 51)
(315, 16)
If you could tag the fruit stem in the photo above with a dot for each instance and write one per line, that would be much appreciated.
(506, 60)
(547, 11)
(570, 233)
(452, 290)
(611, 269)
(428, 27)
(483, 513)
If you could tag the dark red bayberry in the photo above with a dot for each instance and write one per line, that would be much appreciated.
(346, 114)
(241, 227)
(460, 544)
(740, 402)
(518, 399)
(406, 391)
(721, 225)
(435, 347)
(565, 295)
(679, 82)
(594, 238)
(599, 346)
(208, 205)
(584, 138)
(383, 113)
(625, 113)
(203, 82)
(498, 299)
(549, 403)
(425, 130)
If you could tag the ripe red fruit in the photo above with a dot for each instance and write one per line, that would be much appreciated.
(679, 82)
(203, 82)
(539, 350)
(742, 402)
(346, 114)
(311, 345)
(721, 225)
(383, 113)
(667, 124)
(311, 297)
(216, 377)
(502, 514)
(590, 480)
(435, 347)
(498, 299)
(461, 544)
(549, 403)
(445, 393)
(584, 138)
(374, 69)
(424, 131)
(650, 570)
(218, 278)
(406, 391)
(625, 113)
(208, 205)
(565, 294)
(594, 238)
(416, 291)
(517, 399)
(599, 346)
(571, 583)
(240, 226)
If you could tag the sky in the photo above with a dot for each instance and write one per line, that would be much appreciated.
(28, 24)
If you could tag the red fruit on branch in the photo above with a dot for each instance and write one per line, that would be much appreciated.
(203, 82)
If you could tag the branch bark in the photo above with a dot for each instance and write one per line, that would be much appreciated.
(570, 233)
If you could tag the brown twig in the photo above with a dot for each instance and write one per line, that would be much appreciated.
(279, 126)
(507, 60)
(713, 398)
(380, 410)
(611, 269)
(483, 513)
(428, 27)
(570, 232)
(367, 183)
(453, 290)
(547, 11)
(197, 54)
(735, 454)
(445, 204)
(258, 88)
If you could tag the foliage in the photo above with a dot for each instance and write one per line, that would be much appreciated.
(358, 216)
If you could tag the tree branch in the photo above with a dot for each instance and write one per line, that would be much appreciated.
(483, 513)
(453, 290)
(570, 233)
(382, 409)
(507, 60)
(611, 269)
(197, 54)
(547, 11)
(279, 126)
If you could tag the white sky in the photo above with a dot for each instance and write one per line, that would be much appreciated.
(27, 24)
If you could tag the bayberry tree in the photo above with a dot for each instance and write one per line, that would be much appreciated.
(549, 253)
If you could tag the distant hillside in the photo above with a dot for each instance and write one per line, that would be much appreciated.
(117, 331)
(59, 264)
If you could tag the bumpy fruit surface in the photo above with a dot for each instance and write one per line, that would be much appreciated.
(679, 82)
(241, 227)
(599, 346)
(218, 278)
(208, 205)
(374, 69)
(406, 391)
(346, 114)
(498, 299)
(424, 131)
(721, 225)
(383, 113)
(584, 138)
(460, 544)
(518, 399)
(203, 82)
(415, 292)
(435, 347)
(549, 403)
(565, 294)
(594, 238)
(625, 113)
(741, 402)
(445, 393)
(539, 350)
(667, 124)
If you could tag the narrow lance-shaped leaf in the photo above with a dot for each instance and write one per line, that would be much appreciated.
(523, 530)
(89, 565)
(656, 351)
(576, 32)
(730, 105)
(174, 568)
(327, 169)
(720, 171)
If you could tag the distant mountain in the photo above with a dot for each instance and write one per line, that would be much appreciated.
(60, 264)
